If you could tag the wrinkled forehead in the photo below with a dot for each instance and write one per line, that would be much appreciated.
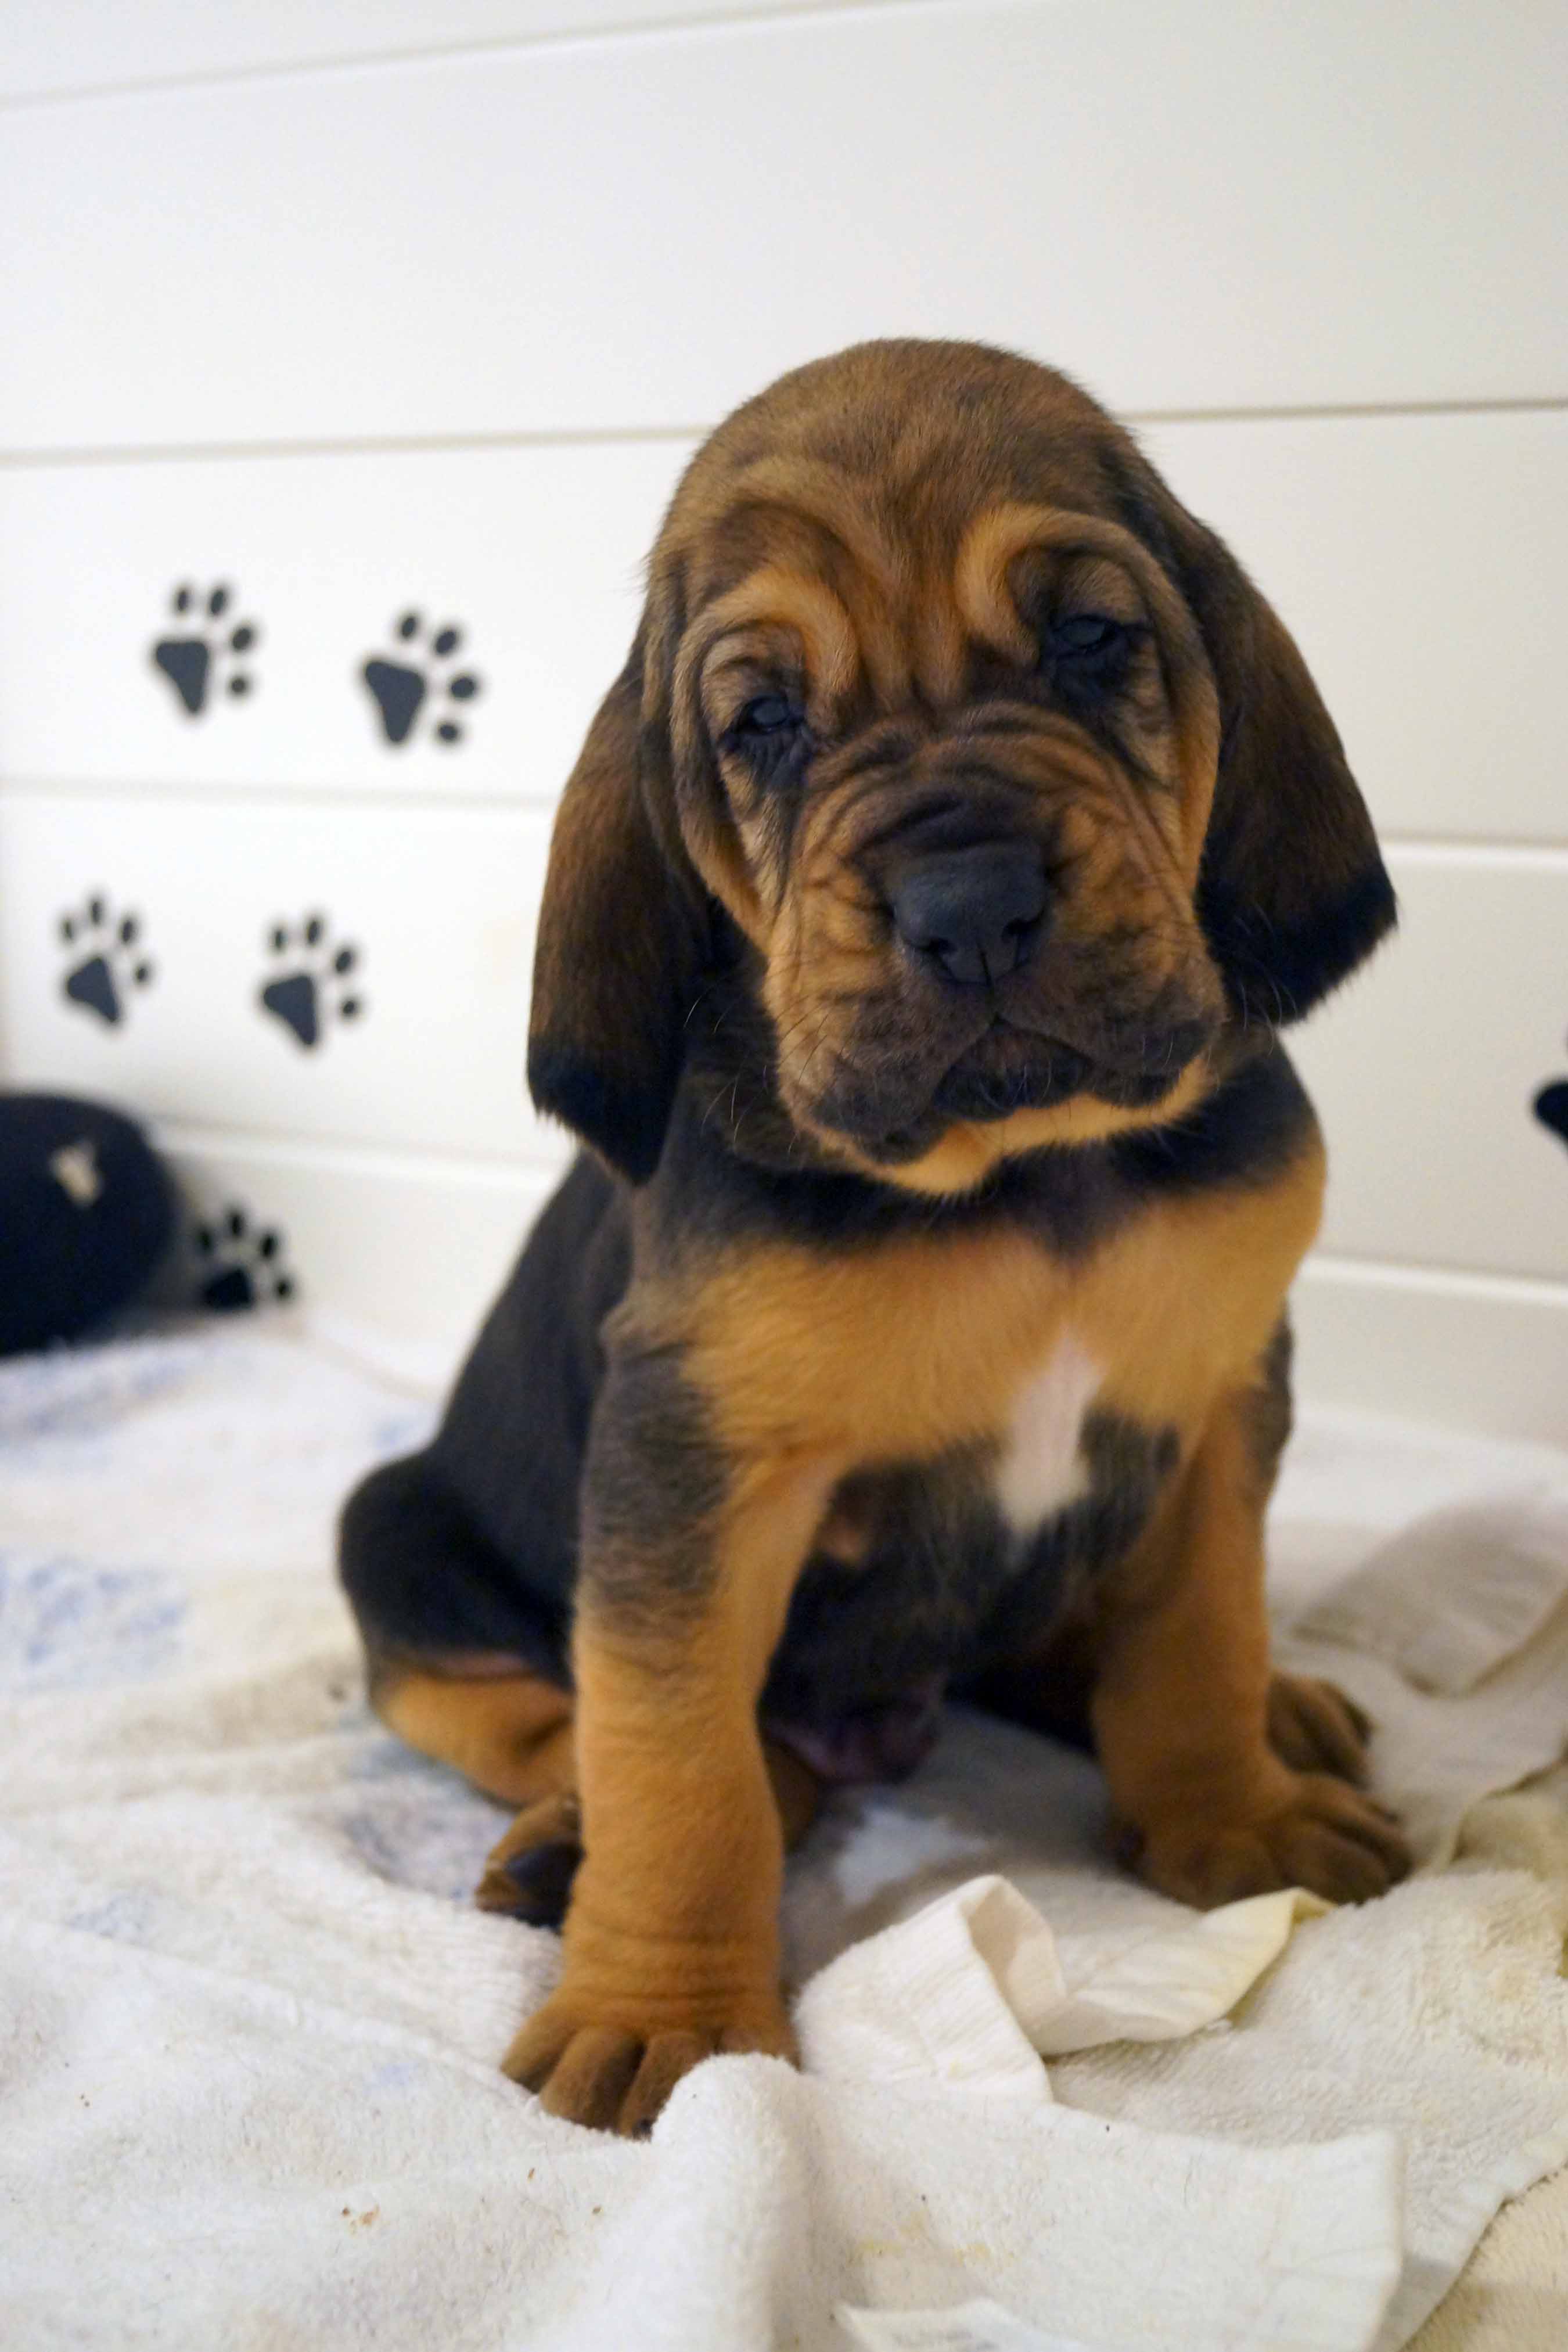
(891, 591)
(805, 566)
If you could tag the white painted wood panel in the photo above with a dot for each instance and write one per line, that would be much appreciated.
(1416, 558)
(398, 1262)
(1472, 1353)
(1424, 1068)
(532, 555)
(1239, 206)
(73, 44)
(419, 1040)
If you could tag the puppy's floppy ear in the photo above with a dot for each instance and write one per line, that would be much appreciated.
(619, 946)
(1292, 893)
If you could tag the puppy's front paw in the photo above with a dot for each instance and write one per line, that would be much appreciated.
(529, 1874)
(1312, 1832)
(612, 2062)
(1314, 1727)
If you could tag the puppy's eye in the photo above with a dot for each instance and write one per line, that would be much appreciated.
(770, 714)
(1087, 633)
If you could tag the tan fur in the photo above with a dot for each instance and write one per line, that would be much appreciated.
(672, 1929)
(513, 1736)
(896, 542)
(971, 1150)
(1137, 855)
(797, 1350)
(1182, 1699)
(509, 1734)
(994, 541)
(672, 1936)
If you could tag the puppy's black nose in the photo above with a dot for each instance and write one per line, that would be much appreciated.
(977, 912)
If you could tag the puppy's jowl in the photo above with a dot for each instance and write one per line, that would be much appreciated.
(922, 915)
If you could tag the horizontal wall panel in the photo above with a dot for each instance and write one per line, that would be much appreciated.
(1239, 206)
(399, 1264)
(1417, 561)
(357, 974)
(66, 45)
(1488, 1358)
(1425, 1069)
(487, 596)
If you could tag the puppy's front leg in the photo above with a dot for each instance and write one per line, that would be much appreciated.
(1180, 1707)
(671, 1943)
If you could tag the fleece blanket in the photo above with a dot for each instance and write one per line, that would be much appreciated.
(249, 2022)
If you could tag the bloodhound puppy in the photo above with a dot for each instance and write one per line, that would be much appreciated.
(922, 915)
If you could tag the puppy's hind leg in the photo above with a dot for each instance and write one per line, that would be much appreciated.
(458, 1661)
(466, 1666)
(509, 1735)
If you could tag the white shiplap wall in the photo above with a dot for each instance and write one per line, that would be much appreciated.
(394, 307)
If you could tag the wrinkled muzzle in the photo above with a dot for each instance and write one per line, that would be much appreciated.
(972, 936)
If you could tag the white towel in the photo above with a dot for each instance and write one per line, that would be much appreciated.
(248, 2097)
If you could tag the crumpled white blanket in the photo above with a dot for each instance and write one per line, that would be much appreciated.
(248, 2025)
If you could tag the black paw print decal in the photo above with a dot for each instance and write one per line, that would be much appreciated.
(1551, 1107)
(401, 689)
(209, 656)
(318, 985)
(240, 1266)
(107, 963)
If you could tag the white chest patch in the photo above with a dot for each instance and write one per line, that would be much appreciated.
(1042, 1469)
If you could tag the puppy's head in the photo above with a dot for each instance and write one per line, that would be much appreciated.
(979, 757)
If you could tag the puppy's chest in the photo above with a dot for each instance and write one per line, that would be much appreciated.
(1045, 1458)
(1072, 1478)
(1040, 1462)
(931, 1571)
